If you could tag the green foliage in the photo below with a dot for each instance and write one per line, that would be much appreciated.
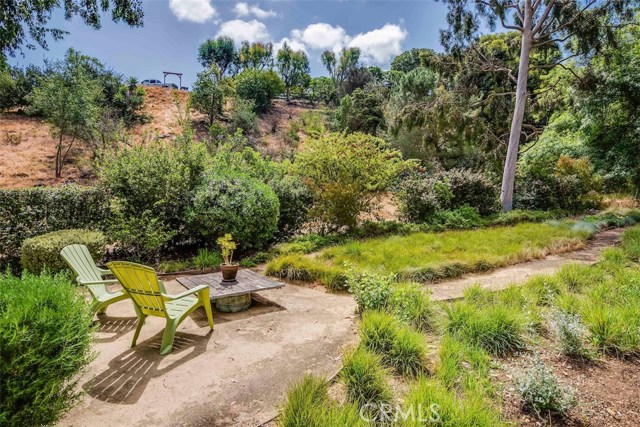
(69, 100)
(496, 329)
(293, 67)
(408, 352)
(237, 204)
(220, 51)
(140, 237)
(308, 405)
(571, 334)
(343, 173)
(541, 392)
(463, 218)
(365, 379)
(45, 337)
(345, 70)
(371, 291)
(294, 198)
(421, 196)
(412, 304)
(155, 182)
(362, 111)
(517, 216)
(30, 212)
(206, 259)
(242, 115)
(255, 56)
(43, 252)
(30, 24)
(322, 89)
(259, 86)
(378, 331)
(128, 102)
(206, 95)
(570, 185)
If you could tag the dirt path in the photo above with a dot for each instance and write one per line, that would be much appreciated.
(504, 277)
(234, 376)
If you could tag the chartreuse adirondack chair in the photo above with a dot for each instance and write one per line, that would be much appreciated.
(80, 260)
(151, 299)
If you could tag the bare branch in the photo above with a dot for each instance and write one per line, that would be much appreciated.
(566, 24)
(544, 16)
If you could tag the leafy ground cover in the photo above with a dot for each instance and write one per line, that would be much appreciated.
(498, 358)
(432, 256)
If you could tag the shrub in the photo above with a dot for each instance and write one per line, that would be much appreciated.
(412, 304)
(571, 334)
(496, 329)
(470, 189)
(365, 379)
(45, 342)
(236, 204)
(408, 352)
(30, 212)
(570, 184)
(207, 259)
(541, 392)
(343, 173)
(463, 218)
(378, 331)
(362, 111)
(259, 86)
(158, 179)
(241, 115)
(517, 216)
(43, 252)
(294, 198)
(138, 237)
(371, 291)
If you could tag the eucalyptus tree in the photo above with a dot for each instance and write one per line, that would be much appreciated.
(221, 52)
(580, 27)
(293, 67)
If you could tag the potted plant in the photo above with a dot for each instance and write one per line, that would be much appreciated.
(228, 267)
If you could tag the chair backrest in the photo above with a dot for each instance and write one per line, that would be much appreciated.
(81, 262)
(141, 283)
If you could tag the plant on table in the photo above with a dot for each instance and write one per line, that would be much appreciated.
(228, 267)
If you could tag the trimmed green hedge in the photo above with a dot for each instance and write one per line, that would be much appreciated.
(44, 251)
(30, 212)
(45, 342)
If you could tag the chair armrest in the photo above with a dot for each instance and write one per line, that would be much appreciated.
(195, 290)
(100, 282)
(104, 271)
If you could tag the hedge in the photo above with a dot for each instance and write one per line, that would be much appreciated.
(43, 251)
(45, 342)
(29, 212)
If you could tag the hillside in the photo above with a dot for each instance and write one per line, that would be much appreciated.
(27, 146)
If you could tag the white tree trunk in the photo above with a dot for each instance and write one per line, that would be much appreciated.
(509, 175)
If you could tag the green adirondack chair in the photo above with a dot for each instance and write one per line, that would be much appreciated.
(80, 260)
(151, 299)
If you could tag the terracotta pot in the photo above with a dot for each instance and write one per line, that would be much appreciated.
(229, 272)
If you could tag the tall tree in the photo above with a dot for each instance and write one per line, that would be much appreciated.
(221, 52)
(69, 99)
(345, 70)
(256, 56)
(581, 26)
(293, 67)
(23, 19)
(206, 95)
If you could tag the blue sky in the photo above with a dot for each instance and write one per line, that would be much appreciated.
(173, 29)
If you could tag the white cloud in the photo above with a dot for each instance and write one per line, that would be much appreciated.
(293, 44)
(243, 9)
(198, 11)
(322, 36)
(239, 31)
(380, 45)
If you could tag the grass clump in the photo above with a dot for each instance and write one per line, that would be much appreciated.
(541, 392)
(365, 379)
(308, 405)
(460, 363)
(206, 259)
(412, 304)
(378, 331)
(298, 267)
(495, 328)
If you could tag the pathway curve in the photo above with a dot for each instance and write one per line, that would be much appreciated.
(504, 277)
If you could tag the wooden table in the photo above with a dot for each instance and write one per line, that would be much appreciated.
(247, 282)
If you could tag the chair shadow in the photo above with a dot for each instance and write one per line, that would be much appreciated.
(115, 327)
(129, 373)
